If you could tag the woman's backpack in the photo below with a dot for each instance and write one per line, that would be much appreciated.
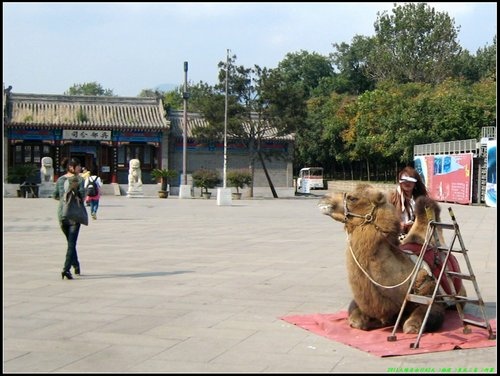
(92, 190)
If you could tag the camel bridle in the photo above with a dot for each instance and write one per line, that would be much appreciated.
(369, 218)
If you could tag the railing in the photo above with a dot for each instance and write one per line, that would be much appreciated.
(489, 132)
(451, 147)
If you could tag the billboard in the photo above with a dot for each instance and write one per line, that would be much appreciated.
(448, 177)
(490, 197)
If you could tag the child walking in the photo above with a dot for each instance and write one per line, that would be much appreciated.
(93, 186)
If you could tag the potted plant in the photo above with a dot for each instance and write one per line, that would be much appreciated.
(163, 175)
(205, 179)
(24, 175)
(238, 179)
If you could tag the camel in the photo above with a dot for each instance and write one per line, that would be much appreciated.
(378, 271)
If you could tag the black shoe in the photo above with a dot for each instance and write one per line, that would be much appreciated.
(67, 275)
(77, 270)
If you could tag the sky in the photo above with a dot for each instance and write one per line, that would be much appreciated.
(128, 47)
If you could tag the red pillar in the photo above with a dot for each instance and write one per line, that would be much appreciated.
(114, 173)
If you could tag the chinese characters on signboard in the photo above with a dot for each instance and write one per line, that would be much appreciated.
(86, 135)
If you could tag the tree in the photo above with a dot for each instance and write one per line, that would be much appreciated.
(163, 175)
(285, 92)
(249, 121)
(89, 88)
(239, 178)
(320, 142)
(172, 100)
(414, 44)
(475, 68)
(205, 179)
(351, 61)
(150, 93)
(487, 60)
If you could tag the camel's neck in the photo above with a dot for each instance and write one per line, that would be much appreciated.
(365, 238)
(369, 237)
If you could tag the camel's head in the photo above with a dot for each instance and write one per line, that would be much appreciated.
(356, 207)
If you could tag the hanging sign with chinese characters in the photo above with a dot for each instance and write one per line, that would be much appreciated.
(74, 134)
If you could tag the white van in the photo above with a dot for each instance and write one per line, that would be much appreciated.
(310, 178)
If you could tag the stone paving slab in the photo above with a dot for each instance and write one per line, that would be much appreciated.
(186, 286)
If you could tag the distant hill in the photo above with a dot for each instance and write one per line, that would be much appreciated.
(166, 87)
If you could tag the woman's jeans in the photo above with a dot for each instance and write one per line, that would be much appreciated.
(94, 205)
(71, 230)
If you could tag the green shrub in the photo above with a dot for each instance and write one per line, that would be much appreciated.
(163, 175)
(239, 178)
(22, 173)
(206, 178)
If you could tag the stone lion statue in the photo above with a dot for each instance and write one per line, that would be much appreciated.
(134, 174)
(47, 170)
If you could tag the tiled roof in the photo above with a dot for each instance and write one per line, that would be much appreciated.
(89, 112)
(195, 120)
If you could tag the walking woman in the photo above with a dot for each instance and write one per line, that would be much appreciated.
(70, 180)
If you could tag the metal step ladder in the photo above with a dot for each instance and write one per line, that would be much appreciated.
(453, 298)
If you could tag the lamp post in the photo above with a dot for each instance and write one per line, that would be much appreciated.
(224, 194)
(185, 97)
(185, 189)
(225, 120)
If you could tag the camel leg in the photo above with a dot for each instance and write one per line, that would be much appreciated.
(359, 320)
(434, 321)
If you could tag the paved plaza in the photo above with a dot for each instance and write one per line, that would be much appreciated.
(186, 286)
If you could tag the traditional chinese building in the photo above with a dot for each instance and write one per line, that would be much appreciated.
(106, 132)
(100, 131)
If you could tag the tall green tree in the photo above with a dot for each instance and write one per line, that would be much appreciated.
(351, 62)
(386, 123)
(299, 77)
(253, 115)
(482, 65)
(414, 44)
(305, 70)
(89, 88)
(172, 99)
(487, 60)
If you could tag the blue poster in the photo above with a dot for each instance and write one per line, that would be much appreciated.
(421, 168)
(490, 197)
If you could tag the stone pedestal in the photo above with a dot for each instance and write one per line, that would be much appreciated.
(185, 191)
(46, 189)
(135, 191)
(224, 197)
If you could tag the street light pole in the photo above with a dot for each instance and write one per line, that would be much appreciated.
(185, 189)
(224, 194)
(225, 121)
(185, 97)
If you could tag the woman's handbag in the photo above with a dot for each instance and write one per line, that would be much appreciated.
(74, 208)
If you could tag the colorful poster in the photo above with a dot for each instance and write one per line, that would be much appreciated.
(490, 197)
(448, 177)
(421, 167)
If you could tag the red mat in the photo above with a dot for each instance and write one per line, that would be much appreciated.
(450, 337)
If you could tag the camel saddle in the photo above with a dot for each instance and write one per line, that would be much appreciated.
(435, 264)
